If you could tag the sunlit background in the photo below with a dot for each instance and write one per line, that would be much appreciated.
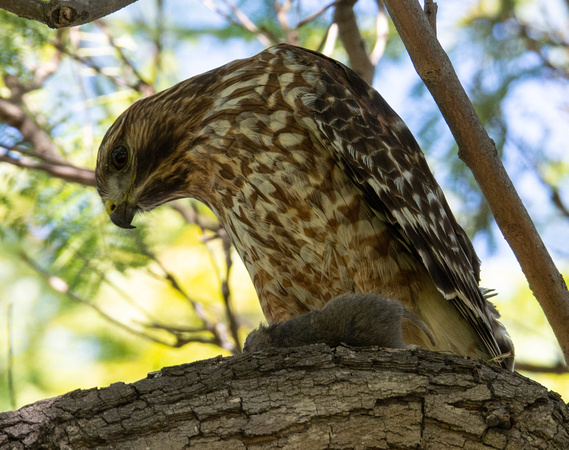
(84, 304)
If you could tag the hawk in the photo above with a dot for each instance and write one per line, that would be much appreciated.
(321, 187)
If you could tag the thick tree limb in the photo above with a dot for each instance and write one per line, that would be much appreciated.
(478, 152)
(63, 13)
(309, 397)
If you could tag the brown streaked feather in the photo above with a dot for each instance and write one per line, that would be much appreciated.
(320, 185)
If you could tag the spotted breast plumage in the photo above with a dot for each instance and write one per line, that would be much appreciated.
(320, 185)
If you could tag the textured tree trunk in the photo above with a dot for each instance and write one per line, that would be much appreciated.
(311, 397)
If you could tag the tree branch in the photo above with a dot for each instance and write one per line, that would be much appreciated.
(313, 16)
(226, 292)
(14, 115)
(62, 170)
(242, 21)
(40, 74)
(431, 9)
(352, 39)
(305, 397)
(141, 85)
(478, 151)
(63, 13)
(218, 329)
(291, 34)
(61, 286)
(381, 33)
(191, 215)
(533, 164)
(328, 44)
(559, 368)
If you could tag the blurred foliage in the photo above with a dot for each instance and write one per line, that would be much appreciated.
(20, 40)
(83, 303)
(515, 69)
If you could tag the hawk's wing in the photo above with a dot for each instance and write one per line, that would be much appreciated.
(377, 150)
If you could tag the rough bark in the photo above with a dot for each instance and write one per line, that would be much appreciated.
(479, 153)
(311, 397)
(63, 13)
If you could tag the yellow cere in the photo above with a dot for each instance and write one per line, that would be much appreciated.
(110, 207)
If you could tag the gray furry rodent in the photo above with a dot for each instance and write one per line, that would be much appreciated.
(354, 319)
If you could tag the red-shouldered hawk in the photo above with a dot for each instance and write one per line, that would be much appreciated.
(320, 185)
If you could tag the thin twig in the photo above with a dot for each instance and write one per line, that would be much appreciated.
(157, 60)
(41, 73)
(534, 165)
(219, 334)
(172, 328)
(191, 215)
(120, 82)
(15, 115)
(87, 128)
(10, 355)
(61, 286)
(242, 21)
(311, 17)
(226, 292)
(141, 84)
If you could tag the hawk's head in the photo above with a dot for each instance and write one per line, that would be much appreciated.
(146, 158)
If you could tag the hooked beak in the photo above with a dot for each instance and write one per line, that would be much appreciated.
(122, 215)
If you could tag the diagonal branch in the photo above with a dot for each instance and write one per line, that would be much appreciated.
(13, 112)
(431, 9)
(478, 151)
(58, 169)
(61, 286)
(14, 115)
(311, 17)
(242, 21)
(141, 85)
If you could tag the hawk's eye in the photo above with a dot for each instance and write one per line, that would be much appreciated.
(119, 157)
